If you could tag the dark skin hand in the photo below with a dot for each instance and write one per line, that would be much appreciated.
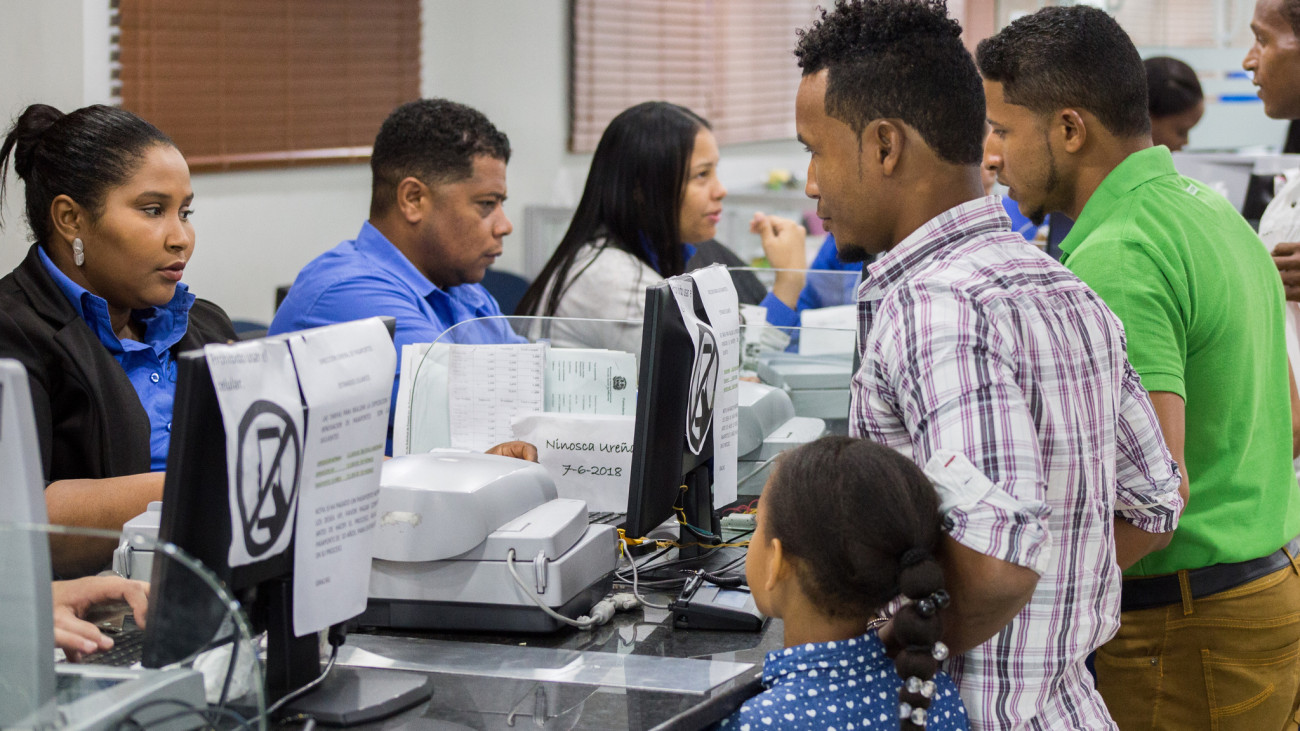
(1286, 257)
(518, 450)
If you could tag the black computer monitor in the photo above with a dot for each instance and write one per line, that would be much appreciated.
(196, 518)
(662, 464)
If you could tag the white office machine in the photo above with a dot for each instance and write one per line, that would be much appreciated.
(768, 426)
(133, 557)
(447, 523)
(818, 384)
(35, 693)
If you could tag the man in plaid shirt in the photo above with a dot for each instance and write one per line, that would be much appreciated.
(986, 362)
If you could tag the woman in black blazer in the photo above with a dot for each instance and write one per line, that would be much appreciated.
(97, 311)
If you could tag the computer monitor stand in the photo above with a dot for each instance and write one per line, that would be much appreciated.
(698, 510)
(347, 696)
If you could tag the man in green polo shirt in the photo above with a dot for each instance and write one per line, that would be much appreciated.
(1210, 625)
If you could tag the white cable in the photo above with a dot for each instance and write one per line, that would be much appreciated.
(600, 613)
(295, 695)
(636, 591)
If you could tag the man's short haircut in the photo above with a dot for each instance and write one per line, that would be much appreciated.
(1291, 11)
(433, 140)
(899, 59)
(1070, 57)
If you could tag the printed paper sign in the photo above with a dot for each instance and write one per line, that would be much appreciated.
(718, 294)
(585, 381)
(420, 414)
(346, 373)
(257, 393)
(489, 385)
(700, 399)
(588, 456)
(715, 375)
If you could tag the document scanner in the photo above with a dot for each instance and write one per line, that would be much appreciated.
(818, 384)
(447, 521)
(767, 427)
(134, 556)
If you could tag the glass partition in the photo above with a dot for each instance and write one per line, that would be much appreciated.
(822, 287)
(218, 684)
(459, 392)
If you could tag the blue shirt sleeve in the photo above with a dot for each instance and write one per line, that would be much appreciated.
(779, 313)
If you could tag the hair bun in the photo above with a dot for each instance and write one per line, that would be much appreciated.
(27, 132)
(912, 557)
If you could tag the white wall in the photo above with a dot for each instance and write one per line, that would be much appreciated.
(256, 229)
(42, 50)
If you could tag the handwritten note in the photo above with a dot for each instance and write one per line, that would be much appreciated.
(489, 385)
(588, 456)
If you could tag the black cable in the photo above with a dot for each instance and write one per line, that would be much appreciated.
(651, 572)
(129, 721)
(230, 672)
(211, 717)
(725, 582)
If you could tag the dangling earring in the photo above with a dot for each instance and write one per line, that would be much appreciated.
(78, 252)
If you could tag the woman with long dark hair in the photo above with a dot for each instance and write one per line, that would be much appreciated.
(651, 194)
(96, 312)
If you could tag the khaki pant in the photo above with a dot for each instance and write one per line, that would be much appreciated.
(1226, 661)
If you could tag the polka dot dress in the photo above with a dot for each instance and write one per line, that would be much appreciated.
(841, 686)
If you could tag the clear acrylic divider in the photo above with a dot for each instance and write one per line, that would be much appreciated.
(810, 367)
(822, 287)
(204, 675)
(422, 417)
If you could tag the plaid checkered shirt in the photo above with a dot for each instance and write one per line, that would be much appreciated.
(1005, 377)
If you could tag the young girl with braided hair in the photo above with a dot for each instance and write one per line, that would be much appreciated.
(844, 527)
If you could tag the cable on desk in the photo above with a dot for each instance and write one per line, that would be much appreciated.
(600, 613)
(295, 695)
(129, 722)
(230, 670)
(636, 590)
(308, 722)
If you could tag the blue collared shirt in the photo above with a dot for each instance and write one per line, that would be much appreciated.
(149, 365)
(842, 685)
(369, 277)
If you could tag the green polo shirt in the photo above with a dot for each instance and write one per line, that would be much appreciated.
(1202, 307)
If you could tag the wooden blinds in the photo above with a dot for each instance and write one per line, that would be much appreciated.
(1181, 24)
(728, 60)
(240, 83)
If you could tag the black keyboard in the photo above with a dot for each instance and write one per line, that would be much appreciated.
(606, 518)
(128, 646)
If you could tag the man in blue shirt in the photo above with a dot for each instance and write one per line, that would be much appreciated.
(436, 224)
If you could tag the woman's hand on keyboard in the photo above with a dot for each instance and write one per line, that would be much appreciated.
(72, 599)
